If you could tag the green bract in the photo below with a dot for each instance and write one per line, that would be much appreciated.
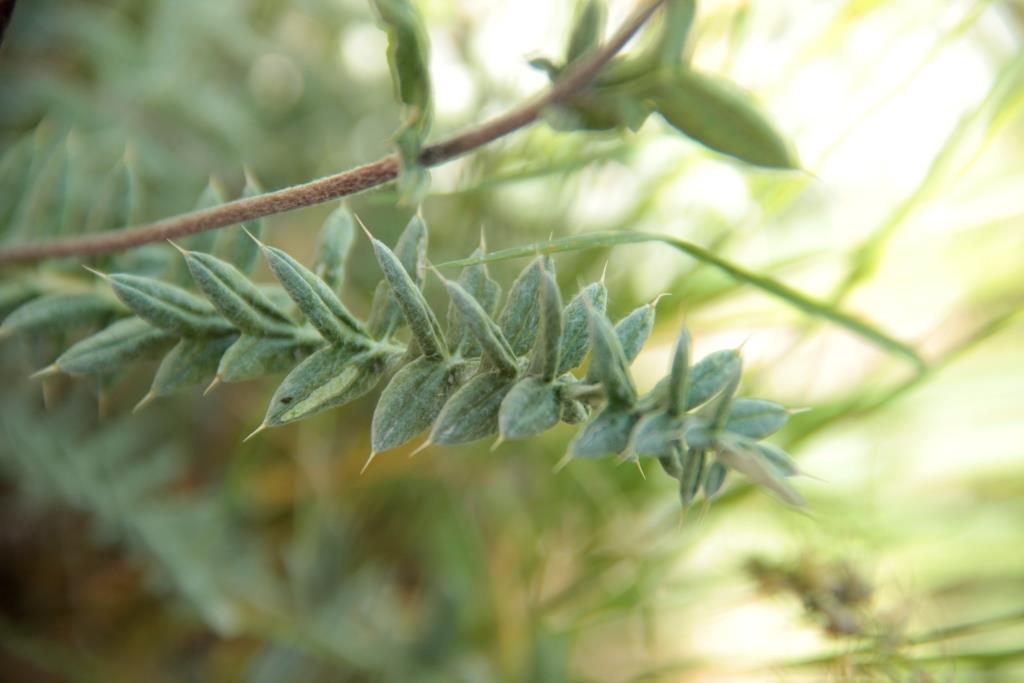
(421, 320)
(331, 377)
(472, 411)
(586, 31)
(491, 341)
(60, 313)
(480, 377)
(252, 357)
(722, 117)
(411, 250)
(531, 407)
(212, 195)
(315, 299)
(409, 59)
(521, 315)
(413, 398)
(236, 244)
(711, 375)
(235, 297)
(576, 325)
(336, 239)
(190, 362)
(544, 359)
(475, 281)
(167, 306)
(113, 348)
(608, 364)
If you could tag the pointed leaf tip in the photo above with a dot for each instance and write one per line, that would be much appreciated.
(254, 238)
(143, 402)
(96, 272)
(255, 432)
(48, 371)
(422, 447)
(213, 385)
(366, 230)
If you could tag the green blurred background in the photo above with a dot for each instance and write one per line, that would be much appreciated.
(159, 547)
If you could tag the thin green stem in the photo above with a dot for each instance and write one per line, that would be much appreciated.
(766, 284)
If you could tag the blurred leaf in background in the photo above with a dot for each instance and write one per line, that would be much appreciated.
(160, 547)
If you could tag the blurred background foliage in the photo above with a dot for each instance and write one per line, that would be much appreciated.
(159, 547)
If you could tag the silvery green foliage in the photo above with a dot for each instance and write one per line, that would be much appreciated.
(505, 370)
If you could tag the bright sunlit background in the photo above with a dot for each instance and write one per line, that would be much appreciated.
(907, 115)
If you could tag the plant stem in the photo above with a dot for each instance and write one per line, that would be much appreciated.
(6, 10)
(342, 184)
(801, 301)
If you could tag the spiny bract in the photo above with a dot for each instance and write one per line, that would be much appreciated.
(492, 370)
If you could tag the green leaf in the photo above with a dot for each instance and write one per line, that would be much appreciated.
(679, 16)
(714, 479)
(742, 456)
(472, 411)
(711, 375)
(116, 203)
(720, 116)
(495, 348)
(409, 59)
(212, 195)
(672, 463)
(679, 376)
(778, 459)
(477, 282)
(693, 475)
(334, 246)
(756, 418)
(114, 347)
(657, 434)
(190, 362)
(521, 315)
(13, 295)
(718, 408)
(329, 378)
(58, 313)
(44, 200)
(799, 300)
(235, 245)
(573, 411)
(413, 398)
(697, 433)
(587, 30)
(236, 298)
(599, 109)
(608, 363)
(411, 249)
(254, 357)
(420, 318)
(632, 332)
(544, 360)
(316, 300)
(606, 434)
(168, 307)
(576, 325)
(531, 407)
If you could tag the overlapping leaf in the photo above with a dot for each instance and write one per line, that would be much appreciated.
(409, 60)
(484, 376)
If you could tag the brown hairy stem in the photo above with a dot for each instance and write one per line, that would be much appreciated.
(342, 184)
